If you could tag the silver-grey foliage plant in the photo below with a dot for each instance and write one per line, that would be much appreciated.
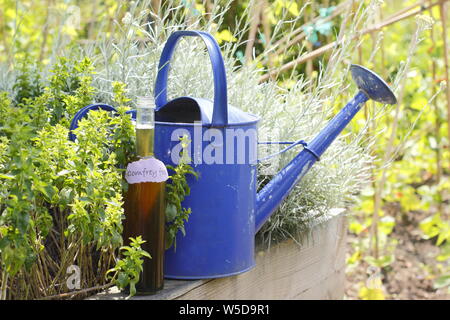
(132, 54)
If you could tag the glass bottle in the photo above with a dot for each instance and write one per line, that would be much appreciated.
(144, 204)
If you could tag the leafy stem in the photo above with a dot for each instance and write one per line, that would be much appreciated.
(176, 191)
(127, 270)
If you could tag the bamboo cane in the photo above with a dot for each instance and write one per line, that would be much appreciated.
(318, 52)
(442, 5)
(437, 123)
(389, 149)
(408, 8)
(156, 6)
(374, 243)
(78, 292)
(302, 34)
(255, 16)
(267, 30)
(45, 33)
(298, 33)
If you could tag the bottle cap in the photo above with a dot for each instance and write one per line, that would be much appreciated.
(145, 115)
(145, 102)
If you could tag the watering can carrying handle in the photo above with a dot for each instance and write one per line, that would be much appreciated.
(85, 110)
(292, 145)
(220, 112)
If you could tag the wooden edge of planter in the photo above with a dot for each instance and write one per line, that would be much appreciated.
(313, 270)
(172, 290)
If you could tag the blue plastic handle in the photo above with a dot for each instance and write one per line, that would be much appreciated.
(85, 110)
(220, 112)
(291, 143)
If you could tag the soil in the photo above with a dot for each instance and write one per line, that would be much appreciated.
(410, 276)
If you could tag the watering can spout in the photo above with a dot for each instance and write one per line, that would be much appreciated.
(371, 86)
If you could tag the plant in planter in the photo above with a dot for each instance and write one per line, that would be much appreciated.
(71, 213)
(177, 190)
(60, 200)
(127, 269)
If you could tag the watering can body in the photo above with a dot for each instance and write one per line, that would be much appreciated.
(219, 235)
(227, 210)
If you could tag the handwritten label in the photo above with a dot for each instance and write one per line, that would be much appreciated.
(146, 170)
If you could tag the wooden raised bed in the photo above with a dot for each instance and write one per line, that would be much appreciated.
(314, 270)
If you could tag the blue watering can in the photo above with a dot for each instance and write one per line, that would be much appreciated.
(227, 210)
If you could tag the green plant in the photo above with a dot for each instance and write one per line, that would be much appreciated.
(411, 175)
(68, 78)
(60, 201)
(28, 83)
(438, 227)
(176, 191)
(126, 272)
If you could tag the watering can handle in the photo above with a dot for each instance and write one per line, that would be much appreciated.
(292, 145)
(220, 112)
(85, 110)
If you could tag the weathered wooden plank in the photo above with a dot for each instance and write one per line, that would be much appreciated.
(314, 270)
(172, 290)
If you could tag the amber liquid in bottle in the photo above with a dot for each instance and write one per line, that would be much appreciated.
(144, 208)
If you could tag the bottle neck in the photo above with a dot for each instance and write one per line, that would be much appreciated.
(145, 126)
(144, 141)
